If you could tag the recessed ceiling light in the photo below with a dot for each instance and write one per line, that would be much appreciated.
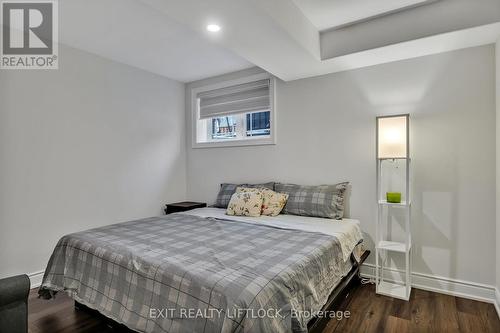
(213, 27)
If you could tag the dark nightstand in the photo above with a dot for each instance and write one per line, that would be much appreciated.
(183, 206)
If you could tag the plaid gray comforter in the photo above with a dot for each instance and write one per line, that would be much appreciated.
(182, 273)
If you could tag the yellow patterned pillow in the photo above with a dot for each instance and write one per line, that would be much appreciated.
(245, 204)
(272, 202)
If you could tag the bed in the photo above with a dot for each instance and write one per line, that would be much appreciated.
(204, 271)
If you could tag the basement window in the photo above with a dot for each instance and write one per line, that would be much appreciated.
(235, 113)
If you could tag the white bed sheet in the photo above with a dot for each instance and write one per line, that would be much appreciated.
(347, 231)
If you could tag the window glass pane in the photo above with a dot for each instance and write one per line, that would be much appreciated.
(258, 123)
(235, 127)
(224, 127)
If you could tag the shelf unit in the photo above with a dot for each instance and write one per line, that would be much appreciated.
(385, 203)
(393, 246)
(384, 246)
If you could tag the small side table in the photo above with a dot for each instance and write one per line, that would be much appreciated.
(183, 206)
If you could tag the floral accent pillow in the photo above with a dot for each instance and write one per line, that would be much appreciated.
(245, 204)
(272, 202)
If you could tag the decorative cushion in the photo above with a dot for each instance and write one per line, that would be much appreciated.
(272, 202)
(245, 204)
(227, 190)
(317, 201)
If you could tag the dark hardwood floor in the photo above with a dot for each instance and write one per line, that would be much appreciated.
(426, 312)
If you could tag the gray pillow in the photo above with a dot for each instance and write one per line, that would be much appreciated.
(227, 190)
(317, 201)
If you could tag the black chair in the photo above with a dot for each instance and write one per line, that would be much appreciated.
(14, 293)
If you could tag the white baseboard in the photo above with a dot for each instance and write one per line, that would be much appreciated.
(497, 301)
(454, 287)
(36, 279)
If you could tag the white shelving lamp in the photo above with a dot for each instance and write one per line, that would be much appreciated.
(393, 145)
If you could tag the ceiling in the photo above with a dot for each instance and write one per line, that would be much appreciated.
(326, 14)
(278, 37)
(290, 39)
(131, 32)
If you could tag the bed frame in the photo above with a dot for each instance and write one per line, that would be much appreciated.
(339, 296)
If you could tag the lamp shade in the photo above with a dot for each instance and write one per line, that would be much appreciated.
(392, 137)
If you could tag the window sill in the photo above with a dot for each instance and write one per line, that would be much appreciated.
(235, 143)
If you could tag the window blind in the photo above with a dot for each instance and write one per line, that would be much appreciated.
(242, 98)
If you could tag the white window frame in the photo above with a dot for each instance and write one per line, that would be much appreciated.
(195, 114)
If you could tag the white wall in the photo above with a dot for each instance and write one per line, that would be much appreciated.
(93, 143)
(326, 134)
(497, 90)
